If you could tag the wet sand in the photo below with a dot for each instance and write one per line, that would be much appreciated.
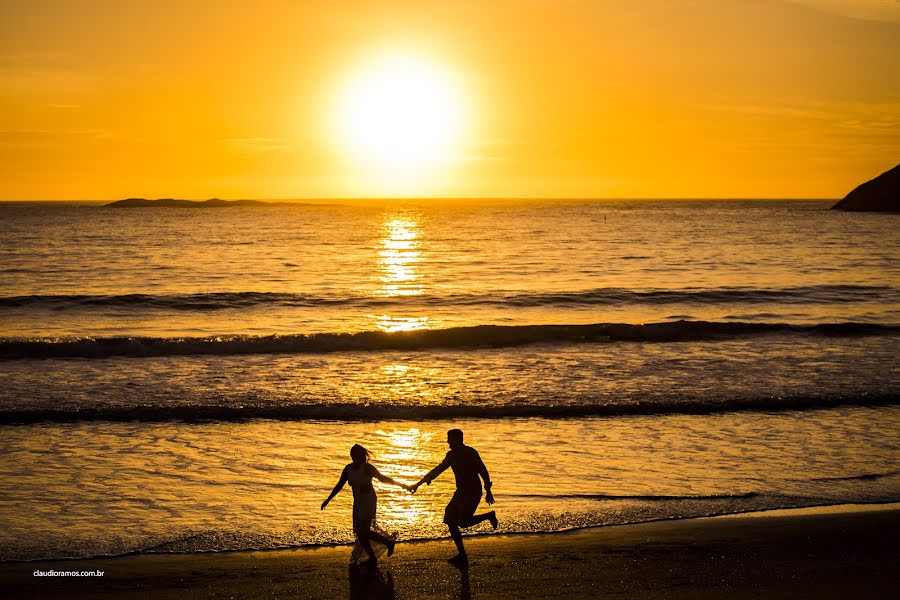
(844, 552)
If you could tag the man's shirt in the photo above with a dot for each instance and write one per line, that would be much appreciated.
(467, 466)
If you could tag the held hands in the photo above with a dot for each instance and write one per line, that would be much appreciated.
(324, 504)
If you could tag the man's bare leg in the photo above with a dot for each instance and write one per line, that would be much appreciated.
(456, 534)
(488, 516)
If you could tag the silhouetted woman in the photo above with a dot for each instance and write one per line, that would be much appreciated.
(359, 474)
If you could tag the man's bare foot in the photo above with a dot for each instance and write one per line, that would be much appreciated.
(390, 547)
(459, 560)
(492, 519)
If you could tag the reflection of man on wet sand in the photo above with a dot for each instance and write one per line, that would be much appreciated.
(460, 512)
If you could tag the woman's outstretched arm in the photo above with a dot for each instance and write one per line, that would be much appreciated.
(385, 479)
(337, 488)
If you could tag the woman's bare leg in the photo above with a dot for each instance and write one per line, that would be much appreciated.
(374, 535)
(362, 534)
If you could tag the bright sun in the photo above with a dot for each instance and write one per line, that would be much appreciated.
(400, 115)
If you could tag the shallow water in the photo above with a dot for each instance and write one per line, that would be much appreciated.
(94, 488)
(754, 373)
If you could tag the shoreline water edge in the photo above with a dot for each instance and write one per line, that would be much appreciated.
(778, 554)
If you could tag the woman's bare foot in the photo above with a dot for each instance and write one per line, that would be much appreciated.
(492, 519)
(390, 546)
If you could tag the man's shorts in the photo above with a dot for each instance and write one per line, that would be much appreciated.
(461, 509)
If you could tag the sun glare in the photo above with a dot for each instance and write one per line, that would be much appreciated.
(400, 115)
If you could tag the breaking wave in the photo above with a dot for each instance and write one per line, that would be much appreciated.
(194, 413)
(480, 336)
(817, 294)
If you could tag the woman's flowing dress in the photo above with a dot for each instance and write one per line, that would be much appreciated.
(365, 502)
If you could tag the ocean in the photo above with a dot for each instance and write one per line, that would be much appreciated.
(191, 380)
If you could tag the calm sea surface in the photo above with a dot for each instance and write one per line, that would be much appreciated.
(192, 379)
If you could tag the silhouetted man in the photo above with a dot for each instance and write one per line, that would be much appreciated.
(460, 512)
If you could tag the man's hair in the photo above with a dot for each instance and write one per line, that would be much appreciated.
(455, 434)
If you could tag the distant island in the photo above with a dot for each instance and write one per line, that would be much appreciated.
(881, 194)
(211, 203)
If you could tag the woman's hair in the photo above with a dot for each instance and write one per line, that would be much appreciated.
(359, 454)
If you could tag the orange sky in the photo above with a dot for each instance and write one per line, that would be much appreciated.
(575, 98)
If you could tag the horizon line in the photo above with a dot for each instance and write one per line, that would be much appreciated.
(440, 198)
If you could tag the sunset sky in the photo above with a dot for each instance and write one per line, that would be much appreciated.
(528, 98)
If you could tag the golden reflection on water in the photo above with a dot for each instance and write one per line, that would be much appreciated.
(391, 324)
(405, 384)
(399, 257)
(400, 260)
(407, 451)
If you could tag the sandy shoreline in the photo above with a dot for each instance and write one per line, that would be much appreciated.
(835, 552)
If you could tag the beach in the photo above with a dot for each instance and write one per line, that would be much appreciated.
(832, 552)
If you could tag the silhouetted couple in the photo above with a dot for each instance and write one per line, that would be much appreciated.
(468, 469)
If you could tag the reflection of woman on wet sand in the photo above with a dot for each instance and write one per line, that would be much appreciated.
(359, 474)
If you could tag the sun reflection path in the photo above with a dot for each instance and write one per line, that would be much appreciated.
(407, 453)
(399, 258)
(401, 384)
(391, 324)
(399, 261)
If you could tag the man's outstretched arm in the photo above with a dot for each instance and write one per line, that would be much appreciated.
(433, 474)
